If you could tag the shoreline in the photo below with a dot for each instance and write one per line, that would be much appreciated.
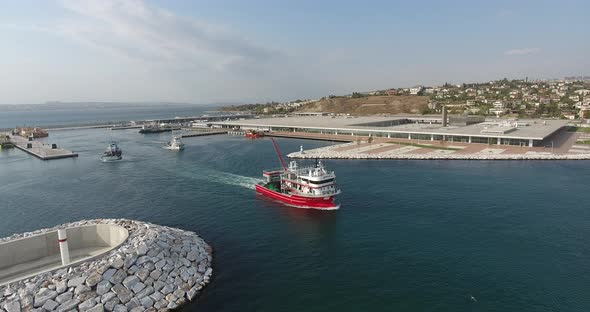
(410, 151)
(298, 155)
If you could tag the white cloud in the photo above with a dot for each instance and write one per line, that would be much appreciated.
(143, 32)
(523, 51)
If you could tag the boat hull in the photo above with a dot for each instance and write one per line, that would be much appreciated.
(174, 148)
(110, 158)
(322, 203)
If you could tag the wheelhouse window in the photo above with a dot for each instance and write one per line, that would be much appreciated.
(319, 182)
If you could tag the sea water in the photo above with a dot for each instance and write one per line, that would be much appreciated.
(409, 236)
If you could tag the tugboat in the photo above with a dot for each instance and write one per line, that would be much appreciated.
(302, 187)
(112, 153)
(253, 134)
(175, 144)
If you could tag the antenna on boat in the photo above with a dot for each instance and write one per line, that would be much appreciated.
(279, 153)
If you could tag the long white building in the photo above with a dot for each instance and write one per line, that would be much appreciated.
(533, 132)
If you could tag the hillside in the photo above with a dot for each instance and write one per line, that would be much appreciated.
(369, 105)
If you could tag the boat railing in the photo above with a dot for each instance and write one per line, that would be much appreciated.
(315, 171)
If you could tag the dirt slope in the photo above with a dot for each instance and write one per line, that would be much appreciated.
(369, 105)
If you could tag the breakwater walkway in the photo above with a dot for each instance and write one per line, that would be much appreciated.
(40, 150)
(405, 149)
(156, 268)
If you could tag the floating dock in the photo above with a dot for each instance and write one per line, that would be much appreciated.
(40, 150)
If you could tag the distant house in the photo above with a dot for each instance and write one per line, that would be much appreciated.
(498, 109)
(415, 90)
(583, 92)
(391, 92)
(569, 115)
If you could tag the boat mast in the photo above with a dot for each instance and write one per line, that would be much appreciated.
(279, 153)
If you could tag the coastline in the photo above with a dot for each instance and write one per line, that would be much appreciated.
(298, 155)
(389, 151)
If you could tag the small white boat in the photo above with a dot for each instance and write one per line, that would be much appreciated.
(175, 144)
(112, 153)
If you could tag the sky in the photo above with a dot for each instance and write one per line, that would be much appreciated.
(208, 52)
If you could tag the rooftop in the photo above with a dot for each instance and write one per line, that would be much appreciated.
(535, 129)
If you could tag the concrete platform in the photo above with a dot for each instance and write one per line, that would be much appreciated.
(40, 150)
(36, 254)
(48, 263)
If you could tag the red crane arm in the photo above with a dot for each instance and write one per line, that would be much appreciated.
(278, 153)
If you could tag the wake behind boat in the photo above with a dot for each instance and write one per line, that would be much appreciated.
(112, 153)
(175, 144)
(303, 187)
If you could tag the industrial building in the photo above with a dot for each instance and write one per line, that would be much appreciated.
(467, 129)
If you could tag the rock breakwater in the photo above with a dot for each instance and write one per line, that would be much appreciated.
(409, 153)
(157, 268)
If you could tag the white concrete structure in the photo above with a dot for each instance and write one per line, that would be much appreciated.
(64, 250)
(32, 255)
(533, 132)
(156, 268)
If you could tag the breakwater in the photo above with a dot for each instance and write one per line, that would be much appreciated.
(423, 152)
(155, 268)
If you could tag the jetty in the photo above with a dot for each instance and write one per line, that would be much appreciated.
(126, 127)
(39, 149)
(106, 264)
(202, 133)
(401, 149)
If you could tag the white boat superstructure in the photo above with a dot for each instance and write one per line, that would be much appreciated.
(310, 180)
(112, 153)
(175, 144)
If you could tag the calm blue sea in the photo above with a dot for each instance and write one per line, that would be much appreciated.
(47, 115)
(410, 235)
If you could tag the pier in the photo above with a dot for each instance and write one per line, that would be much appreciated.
(40, 150)
(202, 133)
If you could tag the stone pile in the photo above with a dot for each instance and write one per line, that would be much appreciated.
(406, 153)
(157, 268)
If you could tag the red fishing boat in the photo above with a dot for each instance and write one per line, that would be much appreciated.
(303, 187)
(253, 134)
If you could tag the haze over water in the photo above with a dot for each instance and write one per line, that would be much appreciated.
(52, 115)
(410, 235)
